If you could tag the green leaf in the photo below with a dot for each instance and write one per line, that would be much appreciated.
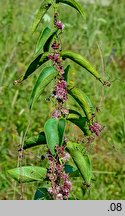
(66, 72)
(82, 100)
(42, 194)
(41, 59)
(90, 104)
(28, 173)
(46, 76)
(77, 58)
(61, 130)
(35, 140)
(42, 39)
(89, 164)
(51, 132)
(82, 162)
(44, 58)
(32, 67)
(40, 13)
(76, 113)
(72, 171)
(74, 4)
(47, 44)
(80, 122)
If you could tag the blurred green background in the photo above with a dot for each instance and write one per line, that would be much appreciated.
(101, 39)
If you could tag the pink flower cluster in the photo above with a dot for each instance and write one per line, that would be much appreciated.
(60, 92)
(59, 25)
(61, 185)
(55, 45)
(62, 154)
(57, 113)
(96, 128)
(57, 62)
(55, 57)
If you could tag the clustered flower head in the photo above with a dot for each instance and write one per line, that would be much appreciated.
(60, 92)
(61, 111)
(57, 62)
(55, 57)
(61, 185)
(59, 25)
(96, 128)
(55, 45)
(56, 114)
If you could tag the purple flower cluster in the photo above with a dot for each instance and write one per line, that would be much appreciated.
(57, 62)
(62, 154)
(55, 57)
(58, 112)
(59, 25)
(60, 89)
(61, 185)
(55, 45)
(96, 128)
(60, 92)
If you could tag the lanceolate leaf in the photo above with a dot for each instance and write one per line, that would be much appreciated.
(44, 58)
(45, 77)
(42, 39)
(42, 194)
(72, 171)
(46, 46)
(89, 164)
(66, 73)
(80, 98)
(51, 132)
(81, 61)
(80, 122)
(32, 67)
(76, 113)
(35, 141)
(61, 130)
(41, 59)
(81, 161)
(28, 173)
(74, 4)
(90, 104)
(40, 13)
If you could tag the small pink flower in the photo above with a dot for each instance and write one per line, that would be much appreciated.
(60, 91)
(55, 46)
(56, 114)
(59, 196)
(64, 111)
(56, 57)
(50, 190)
(66, 157)
(96, 128)
(60, 25)
(50, 57)
(60, 68)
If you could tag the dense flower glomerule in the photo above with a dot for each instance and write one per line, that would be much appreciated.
(96, 128)
(60, 89)
(57, 61)
(61, 185)
(59, 25)
(59, 112)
